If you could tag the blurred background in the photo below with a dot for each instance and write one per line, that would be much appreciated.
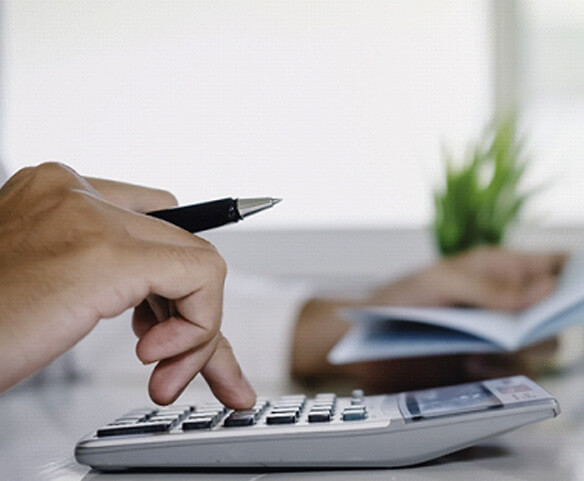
(340, 107)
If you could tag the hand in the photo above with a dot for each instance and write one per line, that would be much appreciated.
(484, 277)
(73, 252)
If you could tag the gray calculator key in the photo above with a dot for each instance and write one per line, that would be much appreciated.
(240, 418)
(198, 423)
(319, 416)
(281, 418)
(352, 414)
(137, 428)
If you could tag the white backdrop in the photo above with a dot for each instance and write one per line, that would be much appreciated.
(339, 107)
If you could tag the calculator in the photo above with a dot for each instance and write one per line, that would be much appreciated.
(321, 431)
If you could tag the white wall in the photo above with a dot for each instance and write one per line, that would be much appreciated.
(552, 95)
(340, 106)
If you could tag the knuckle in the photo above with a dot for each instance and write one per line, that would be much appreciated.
(23, 173)
(53, 171)
(166, 197)
(46, 179)
(221, 266)
(51, 167)
(219, 269)
(224, 343)
(213, 260)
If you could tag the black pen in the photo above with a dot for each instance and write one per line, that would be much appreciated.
(207, 215)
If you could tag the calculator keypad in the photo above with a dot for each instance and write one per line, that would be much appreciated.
(145, 421)
(285, 410)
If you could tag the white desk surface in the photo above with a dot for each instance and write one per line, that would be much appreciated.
(40, 425)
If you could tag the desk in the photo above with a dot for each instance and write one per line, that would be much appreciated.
(40, 425)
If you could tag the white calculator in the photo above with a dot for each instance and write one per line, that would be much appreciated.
(326, 430)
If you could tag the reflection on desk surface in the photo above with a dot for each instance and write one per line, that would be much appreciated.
(41, 426)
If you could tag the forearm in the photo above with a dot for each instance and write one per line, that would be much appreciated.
(318, 329)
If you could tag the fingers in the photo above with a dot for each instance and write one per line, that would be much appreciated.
(225, 378)
(170, 338)
(133, 197)
(498, 278)
(220, 369)
(80, 237)
(510, 266)
(171, 376)
(148, 313)
(464, 289)
(142, 319)
(183, 336)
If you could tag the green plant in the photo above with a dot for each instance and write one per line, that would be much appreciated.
(481, 198)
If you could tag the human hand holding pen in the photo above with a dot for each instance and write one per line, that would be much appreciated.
(73, 252)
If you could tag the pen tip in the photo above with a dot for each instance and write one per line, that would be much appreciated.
(275, 201)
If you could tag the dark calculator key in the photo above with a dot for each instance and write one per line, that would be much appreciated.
(281, 418)
(240, 418)
(136, 428)
(319, 416)
(197, 423)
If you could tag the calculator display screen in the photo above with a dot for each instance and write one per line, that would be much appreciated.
(450, 400)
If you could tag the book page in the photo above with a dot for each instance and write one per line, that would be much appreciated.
(497, 327)
(568, 294)
(365, 342)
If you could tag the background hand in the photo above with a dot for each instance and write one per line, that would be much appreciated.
(484, 277)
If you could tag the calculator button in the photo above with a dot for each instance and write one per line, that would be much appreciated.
(354, 414)
(197, 423)
(136, 428)
(319, 416)
(240, 418)
(281, 418)
(283, 410)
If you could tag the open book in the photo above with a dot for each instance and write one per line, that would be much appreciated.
(380, 332)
